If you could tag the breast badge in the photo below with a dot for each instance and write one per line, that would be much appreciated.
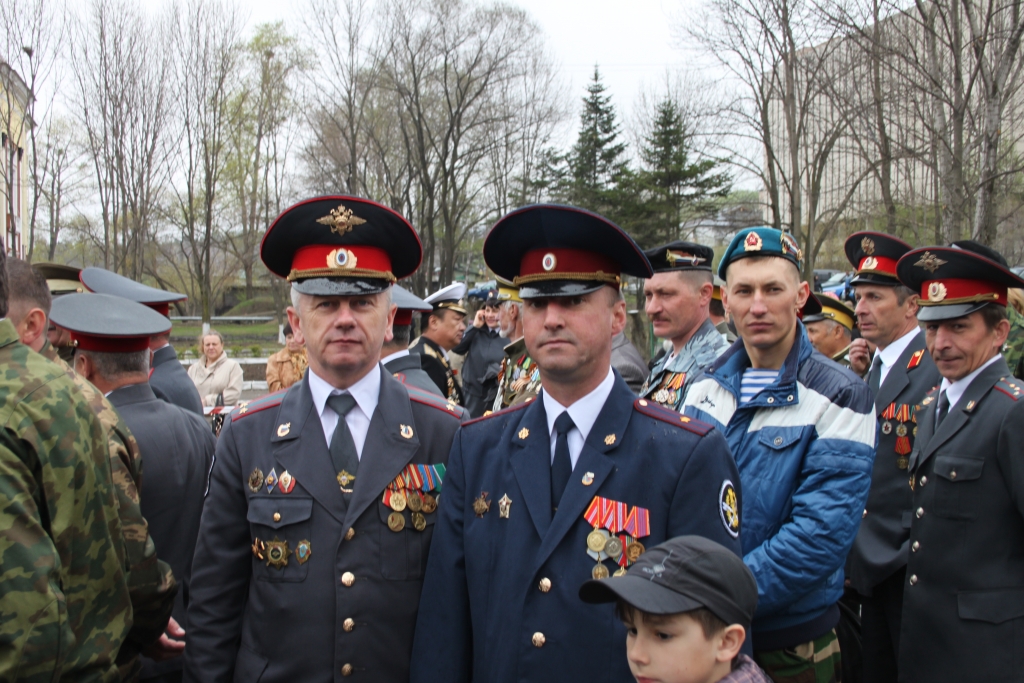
(282, 430)
(481, 506)
(588, 478)
(504, 505)
(255, 480)
(617, 526)
(728, 508)
(346, 481)
(302, 552)
(277, 553)
(271, 481)
(258, 549)
(286, 482)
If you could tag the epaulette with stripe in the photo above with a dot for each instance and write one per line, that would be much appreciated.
(258, 404)
(915, 359)
(658, 412)
(1010, 386)
(435, 401)
(504, 411)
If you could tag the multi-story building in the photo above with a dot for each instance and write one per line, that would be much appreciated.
(14, 130)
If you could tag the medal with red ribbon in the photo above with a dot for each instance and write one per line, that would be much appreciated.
(412, 488)
(617, 528)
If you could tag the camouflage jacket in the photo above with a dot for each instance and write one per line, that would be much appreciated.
(1013, 351)
(151, 584)
(519, 377)
(672, 377)
(66, 608)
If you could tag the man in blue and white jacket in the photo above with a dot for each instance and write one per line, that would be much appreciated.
(802, 431)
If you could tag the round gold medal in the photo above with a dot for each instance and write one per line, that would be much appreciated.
(429, 504)
(661, 396)
(634, 550)
(398, 501)
(396, 522)
(902, 463)
(414, 500)
(901, 429)
(600, 571)
(596, 540)
(621, 571)
(418, 521)
(613, 548)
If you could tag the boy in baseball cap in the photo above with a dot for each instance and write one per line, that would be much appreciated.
(687, 605)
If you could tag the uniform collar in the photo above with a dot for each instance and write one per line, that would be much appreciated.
(366, 391)
(891, 353)
(954, 390)
(583, 412)
(397, 354)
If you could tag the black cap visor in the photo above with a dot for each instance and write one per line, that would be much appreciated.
(336, 286)
(548, 288)
(935, 313)
(874, 279)
(639, 592)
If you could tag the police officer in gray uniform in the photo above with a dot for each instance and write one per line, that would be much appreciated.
(176, 445)
(322, 499)
(963, 602)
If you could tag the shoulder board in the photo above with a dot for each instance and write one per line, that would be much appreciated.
(429, 350)
(504, 411)
(1010, 386)
(652, 409)
(915, 360)
(256, 405)
(434, 401)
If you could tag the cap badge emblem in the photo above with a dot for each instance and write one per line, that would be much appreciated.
(867, 245)
(341, 258)
(548, 262)
(729, 508)
(674, 257)
(930, 262)
(870, 263)
(752, 242)
(936, 292)
(341, 220)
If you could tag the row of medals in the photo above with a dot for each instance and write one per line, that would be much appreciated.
(602, 545)
(419, 504)
(902, 462)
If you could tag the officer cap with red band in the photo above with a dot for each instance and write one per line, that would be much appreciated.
(107, 323)
(407, 303)
(954, 281)
(341, 246)
(554, 250)
(874, 255)
(103, 281)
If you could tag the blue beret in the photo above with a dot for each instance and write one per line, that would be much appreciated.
(761, 241)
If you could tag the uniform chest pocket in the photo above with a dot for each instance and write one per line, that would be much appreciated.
(404, 544)
(956, 485)
(280, 528)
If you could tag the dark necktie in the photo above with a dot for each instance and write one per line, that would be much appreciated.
(943, 408)
(875, 374)
(561, 466)
(343, 448)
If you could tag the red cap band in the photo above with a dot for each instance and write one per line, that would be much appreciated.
(403, 317)
(958, 291)
(341, 258)
(566, 264)
(88, 342)
(163, 309)
(877, 264)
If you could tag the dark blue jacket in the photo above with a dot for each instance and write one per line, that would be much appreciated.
(484, 608)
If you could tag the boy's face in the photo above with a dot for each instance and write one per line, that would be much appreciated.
(673, 649)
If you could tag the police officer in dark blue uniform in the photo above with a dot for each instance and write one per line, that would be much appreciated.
(322, 499)
(570, 486)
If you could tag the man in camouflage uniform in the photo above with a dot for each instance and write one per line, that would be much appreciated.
(519, 377)
(151, 584)
(677, 300)
(66, 607)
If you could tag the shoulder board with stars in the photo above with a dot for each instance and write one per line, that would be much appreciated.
(652, 409)
(261, 403)
(504, 411)
(434, 401)
(915, 360)
(1010, 386)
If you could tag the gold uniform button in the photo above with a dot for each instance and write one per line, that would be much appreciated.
(346, 670)
(865, 513)
(539, 639)
(913, 579)
(916, 546)
(348, 578)
(952, 474)
(277, 516)
(348, 625)
(920, 513)
(544, 585)
(349, 534)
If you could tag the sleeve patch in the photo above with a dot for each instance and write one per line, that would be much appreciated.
(729, 509)
(658, 412)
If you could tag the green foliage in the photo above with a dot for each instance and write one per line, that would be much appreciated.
(256, 350)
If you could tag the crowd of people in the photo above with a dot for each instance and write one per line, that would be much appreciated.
(798, 489)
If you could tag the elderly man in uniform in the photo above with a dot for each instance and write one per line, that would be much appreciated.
(442, 329)
(901, 373)
(168, 379)
(803, 434)
(482, 346)
(395, 354)
(963, 601)
(567, 487)
(519, 377)
(830, 330)
(677, 299)
(112, 350)
(716, 312)
(323, 499)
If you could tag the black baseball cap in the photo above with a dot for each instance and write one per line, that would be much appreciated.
(681, 575)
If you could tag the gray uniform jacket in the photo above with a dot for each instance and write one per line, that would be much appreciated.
(177, 452)
(670, 380)
(963, 603)
(628, 361)
(171, 383)
(484, 350)
(347, 611)
(407, 370)
(881, 546)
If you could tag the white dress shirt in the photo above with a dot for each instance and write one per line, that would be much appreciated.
(891, 353)
(583, 412)
(366, 392)
(397, 354)
(954, 390)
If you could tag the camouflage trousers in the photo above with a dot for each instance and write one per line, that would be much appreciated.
(817, 661)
